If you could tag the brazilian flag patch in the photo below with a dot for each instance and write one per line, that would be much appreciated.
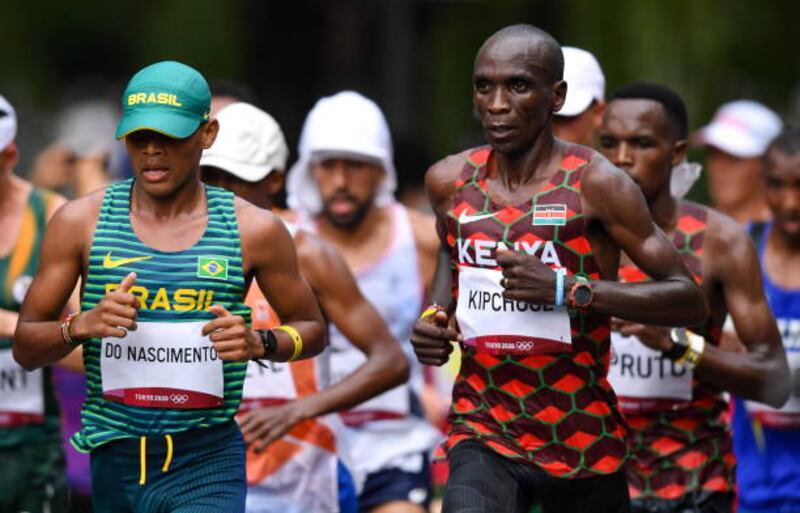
(212, 267)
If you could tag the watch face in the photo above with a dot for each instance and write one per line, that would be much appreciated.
(679, 337)
(583, 295)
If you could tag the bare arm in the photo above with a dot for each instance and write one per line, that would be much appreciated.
(276, 271)
(345, 306)
(761, 373)
(613, 200)
(38, 337)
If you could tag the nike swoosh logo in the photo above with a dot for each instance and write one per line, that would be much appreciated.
(464, 218)
(110, 263)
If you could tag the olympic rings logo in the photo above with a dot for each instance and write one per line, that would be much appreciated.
(525, 346)
(179, 398)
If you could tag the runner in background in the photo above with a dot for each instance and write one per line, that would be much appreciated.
(342, 189)
(292, 460)
(579, 119)
(736, 139)
(32, 473)
(671, 393)
(766, 440)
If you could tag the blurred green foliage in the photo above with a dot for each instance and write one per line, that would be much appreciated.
(413, 57)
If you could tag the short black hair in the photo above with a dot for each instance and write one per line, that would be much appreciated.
(787, 142)
(552, 49)
(669, 99)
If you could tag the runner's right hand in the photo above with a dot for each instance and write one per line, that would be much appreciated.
(114, 315)
(432, 338)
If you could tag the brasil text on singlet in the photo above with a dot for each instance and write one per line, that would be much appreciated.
(165, 377)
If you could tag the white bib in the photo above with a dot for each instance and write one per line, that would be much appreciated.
(644, 380)
(21, 393)
(392, 404)
(269, 385)
(492, 324)
(787, 417)
(162, 365)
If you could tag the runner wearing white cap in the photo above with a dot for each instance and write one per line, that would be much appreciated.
(342, 186)
(32, 474)
(737, 138)
(286, 403)
(582, 113)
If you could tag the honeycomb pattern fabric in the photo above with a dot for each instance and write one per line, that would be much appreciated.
(686, 450)
(553, 411)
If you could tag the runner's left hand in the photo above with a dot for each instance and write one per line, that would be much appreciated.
(233, 340)
(654, 337)
(262, 426)
(526, 278)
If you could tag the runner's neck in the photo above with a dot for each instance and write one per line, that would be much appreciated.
(363, 244)
(527, 166)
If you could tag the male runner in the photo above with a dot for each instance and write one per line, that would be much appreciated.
(292, 466)
(679, 436)
(166, 340)
(766, 441)
(736, 139)
(32, 473)
(579, 119)
(342, 188)
(533, 225)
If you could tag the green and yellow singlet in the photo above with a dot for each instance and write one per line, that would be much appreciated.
(165, 377)
(28, 408)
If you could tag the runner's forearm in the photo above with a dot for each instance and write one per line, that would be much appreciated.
(757, 375)
(671, 302)
(39, 343)
(313, 338)
(381, 372)
(8, 323)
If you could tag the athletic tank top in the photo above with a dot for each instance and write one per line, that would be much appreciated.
(532, 384)
(389, 427)
(28, 407)
(679, 435)
(165, 377)
(767, 440)
(297, 472)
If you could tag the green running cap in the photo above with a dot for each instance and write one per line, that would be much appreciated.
(167, 97)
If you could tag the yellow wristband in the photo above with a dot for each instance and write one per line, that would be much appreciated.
(296, 338)
(431, 310)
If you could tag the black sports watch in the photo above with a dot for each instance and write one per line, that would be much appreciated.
(680, 344)
(269, 341)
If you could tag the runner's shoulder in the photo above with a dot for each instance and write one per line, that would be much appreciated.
(724, 236)
(317, 258)
(440, 180)
(256, 222)
(74, 214)
(423, 225)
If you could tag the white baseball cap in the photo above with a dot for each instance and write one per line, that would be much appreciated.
(249, 145)
(585, 81)
(742, 128)
(349, 125)
(8, 123)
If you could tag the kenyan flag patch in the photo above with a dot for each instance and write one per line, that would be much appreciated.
(550, 215)
(212, 267)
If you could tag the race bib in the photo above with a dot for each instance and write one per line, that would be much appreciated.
(495, 325)
(267, 386)
(392, 404)
(644, 380)
(21, 393)
(162, 365)
(787, 417)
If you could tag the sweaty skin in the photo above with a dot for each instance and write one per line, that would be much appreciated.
(168, 212)
(516, 89)
(342, 304)
(636, 136)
